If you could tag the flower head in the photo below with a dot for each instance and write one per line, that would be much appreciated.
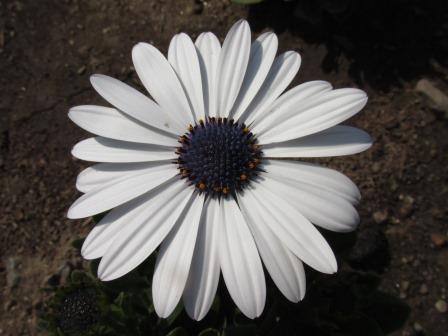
(78, 311)
(198, 171)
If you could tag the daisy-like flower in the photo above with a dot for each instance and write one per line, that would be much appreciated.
(199, 171)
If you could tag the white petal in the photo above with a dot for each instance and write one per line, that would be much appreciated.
(282, 72)
(323, 208)
(314, 175)
(204, 271)
(334, 141)
(120, 191)
(148, 226)
(184, 59)
(285, 106)
(110, 123)
(317, 114)
(134, 212)
(232, 66)
(262, 54)
(294, 230)
(162, 83)
(209, 49)
(101, 149)
(285, 268)
(133, 103)
(103, 173)
(174, 259)
(240, 262)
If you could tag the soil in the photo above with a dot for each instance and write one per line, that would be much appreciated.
(49, 48)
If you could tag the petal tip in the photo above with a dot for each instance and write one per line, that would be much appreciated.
(72, 213)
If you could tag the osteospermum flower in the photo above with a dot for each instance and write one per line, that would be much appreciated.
(197, 171)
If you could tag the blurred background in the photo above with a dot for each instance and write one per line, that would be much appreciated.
(395, 50)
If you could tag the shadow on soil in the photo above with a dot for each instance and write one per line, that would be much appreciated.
(388, 41)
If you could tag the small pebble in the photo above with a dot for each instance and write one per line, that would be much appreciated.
(418, 329)
(405, 285)
(441, 306)
(423, 289)
(407, 205)
(376, 167)
(438, 239)
(380, 216)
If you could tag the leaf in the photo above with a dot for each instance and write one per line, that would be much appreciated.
(98, 217)
(175, 314)
(78, 277)
(94, 267)
(77, 243)
(209, 332)
(177, 332)
(117, 312)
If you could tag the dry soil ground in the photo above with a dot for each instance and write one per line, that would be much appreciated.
(49, 48)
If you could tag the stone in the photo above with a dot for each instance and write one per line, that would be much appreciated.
(441, 306)
(380, 216)
(12, 276)
(418, 329)
(423, 289)
(438, 239)
(435, 98)
(405, 285)
(8, 305)
(407, 205)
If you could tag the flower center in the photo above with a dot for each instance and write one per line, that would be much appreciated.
(219, 156)
(78, 311)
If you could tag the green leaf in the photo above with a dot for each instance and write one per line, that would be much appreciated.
(209, 332)
(175, 314)
(94, 267)
(77, 277)
(177, 332)
(116, 312)
(98, 217)
(77, 243)
(119, 300)
(247, 2)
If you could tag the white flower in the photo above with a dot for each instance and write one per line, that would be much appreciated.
(186, 173)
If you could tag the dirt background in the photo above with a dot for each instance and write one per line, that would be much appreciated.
(49, 48)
